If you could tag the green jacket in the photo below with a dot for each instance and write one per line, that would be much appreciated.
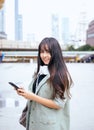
(44, 118)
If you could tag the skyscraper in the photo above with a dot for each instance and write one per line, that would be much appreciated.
(20, 27)
(55, 26)
(18, 23)
(65, 30)
(2, 24)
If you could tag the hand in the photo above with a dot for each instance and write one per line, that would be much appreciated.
(24, 93)
(20, 91)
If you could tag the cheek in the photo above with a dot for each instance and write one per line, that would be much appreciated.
(40, 55)
(49, 57)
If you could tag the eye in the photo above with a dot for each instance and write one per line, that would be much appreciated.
(41, 51)
(47, 51)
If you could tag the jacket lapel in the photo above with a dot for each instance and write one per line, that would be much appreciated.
(41, 83)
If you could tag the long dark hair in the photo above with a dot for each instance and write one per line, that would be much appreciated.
(59, 75)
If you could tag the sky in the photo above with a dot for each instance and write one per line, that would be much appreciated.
(37, 15)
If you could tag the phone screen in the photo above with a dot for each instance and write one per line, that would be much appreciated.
(14, 85)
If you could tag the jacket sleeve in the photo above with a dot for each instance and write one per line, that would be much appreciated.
(60, 102)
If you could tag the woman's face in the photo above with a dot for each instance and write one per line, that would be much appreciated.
(45, 55)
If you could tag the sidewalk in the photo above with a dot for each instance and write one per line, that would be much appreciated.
(9, 119)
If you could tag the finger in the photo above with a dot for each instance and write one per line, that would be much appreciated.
(20, 89)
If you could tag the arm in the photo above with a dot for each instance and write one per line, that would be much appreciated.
(31, 96)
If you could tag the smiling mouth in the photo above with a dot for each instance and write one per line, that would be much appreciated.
(46, 60)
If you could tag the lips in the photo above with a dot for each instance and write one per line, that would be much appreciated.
(45, 60)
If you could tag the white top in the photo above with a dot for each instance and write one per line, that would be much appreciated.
(43, 70)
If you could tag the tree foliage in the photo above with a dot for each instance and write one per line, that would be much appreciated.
(85, 47)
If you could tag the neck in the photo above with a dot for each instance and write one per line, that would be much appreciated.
(43, 70)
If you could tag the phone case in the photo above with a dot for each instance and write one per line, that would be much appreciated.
(14, 85)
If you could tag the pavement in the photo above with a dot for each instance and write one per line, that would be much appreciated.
(81, 103)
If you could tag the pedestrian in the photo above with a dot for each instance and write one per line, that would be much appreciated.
(49, 92)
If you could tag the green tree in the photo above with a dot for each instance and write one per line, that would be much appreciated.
(85, 48)
(70, 48)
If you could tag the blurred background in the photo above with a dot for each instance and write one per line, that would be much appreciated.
(23, 24)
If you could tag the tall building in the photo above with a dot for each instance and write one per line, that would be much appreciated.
(2, 24)
(18, 23)
(20, 36)
(60, 28)
(80, 32)
(55, 26)
(65, 30)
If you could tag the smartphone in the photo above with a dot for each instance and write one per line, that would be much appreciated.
(14, 85)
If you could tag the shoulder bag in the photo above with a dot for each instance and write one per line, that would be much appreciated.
(22, 119)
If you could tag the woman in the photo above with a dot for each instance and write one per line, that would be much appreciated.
(49, 91)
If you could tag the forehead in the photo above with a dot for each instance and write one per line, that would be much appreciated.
(44, 47)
